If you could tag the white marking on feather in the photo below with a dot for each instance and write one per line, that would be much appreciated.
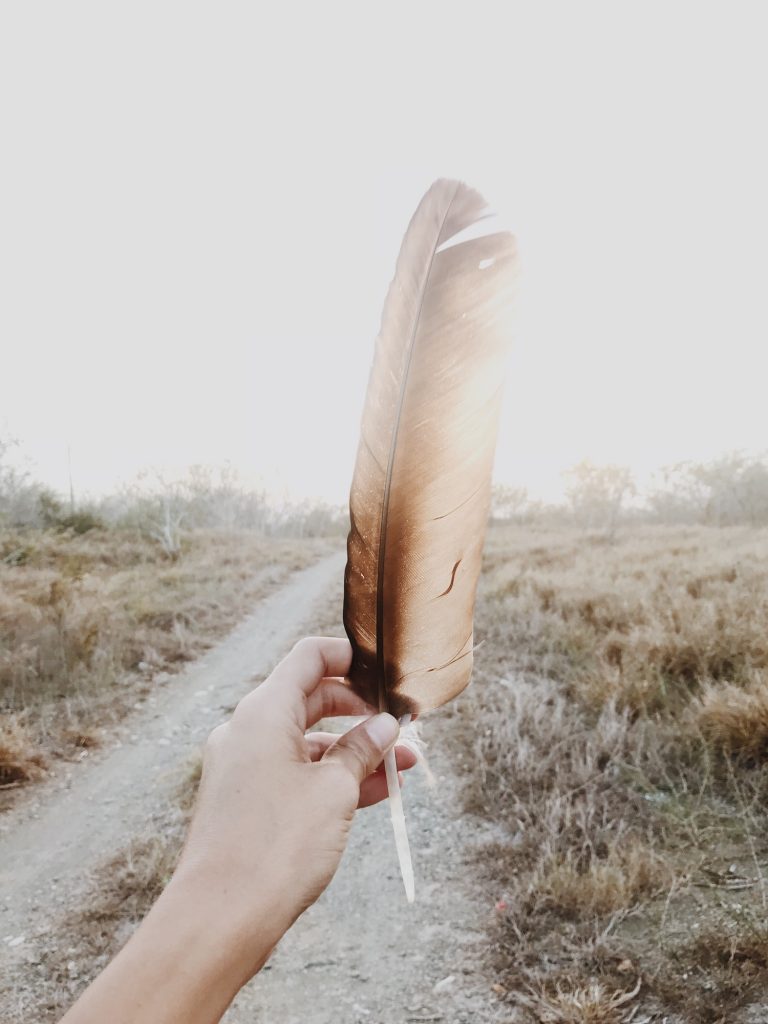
(489, 224)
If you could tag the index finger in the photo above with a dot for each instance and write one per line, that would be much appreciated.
(312, 659)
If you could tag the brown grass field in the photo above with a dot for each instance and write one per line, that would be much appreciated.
(619, 731)
(90, 624)
(616, 732)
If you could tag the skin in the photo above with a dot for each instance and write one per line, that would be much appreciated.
(271, 823)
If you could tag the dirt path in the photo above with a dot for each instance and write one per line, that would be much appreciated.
(361, 955)
(82, 817)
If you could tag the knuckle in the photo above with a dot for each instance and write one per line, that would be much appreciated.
(241, 707)
(359, 755)
(215, 738)
(247, 705)
(327, 701)
(309, 650)
(305, 645)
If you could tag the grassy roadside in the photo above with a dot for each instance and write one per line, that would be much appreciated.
(90, 624)
(619, 737)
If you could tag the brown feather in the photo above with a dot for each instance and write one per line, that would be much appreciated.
(421, 488)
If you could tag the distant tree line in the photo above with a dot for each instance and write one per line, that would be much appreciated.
(727, 491)
(162, 507)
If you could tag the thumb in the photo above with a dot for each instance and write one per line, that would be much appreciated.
(362, 749)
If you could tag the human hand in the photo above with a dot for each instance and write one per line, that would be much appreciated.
(269, 828)
(275, 805)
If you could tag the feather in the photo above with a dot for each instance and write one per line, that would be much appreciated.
(420, 493)
(421, 488)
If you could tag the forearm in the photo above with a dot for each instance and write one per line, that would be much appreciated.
(184, 963)
(271, 823)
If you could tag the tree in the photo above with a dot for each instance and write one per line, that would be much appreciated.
(726, 491)
(19, 494)
(153, 505)
(510, 503)
(737, 489)
(596, 494)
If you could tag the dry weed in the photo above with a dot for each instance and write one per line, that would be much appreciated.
(730, 963)
(573, 1003)
(735, 719)
(645, 620)
(88, 623)
(596, 887)
(612, 678)
(20, 759)
(190, 783)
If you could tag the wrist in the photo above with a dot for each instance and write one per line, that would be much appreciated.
(187, 960)
(232, 931)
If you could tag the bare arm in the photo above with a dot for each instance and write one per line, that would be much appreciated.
(270, 826)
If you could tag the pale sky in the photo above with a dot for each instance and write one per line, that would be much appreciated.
(201, 206)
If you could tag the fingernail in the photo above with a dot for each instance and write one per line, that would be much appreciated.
(383, 730)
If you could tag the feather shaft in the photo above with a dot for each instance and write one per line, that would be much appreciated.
(397, 814)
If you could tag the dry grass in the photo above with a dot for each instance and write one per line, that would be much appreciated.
(645, 620)
(732, 960)
(566, 1003)
(89, 624)
(735, 719)
(629, 792)
(619, 734)
(598, 886)
(20, 760)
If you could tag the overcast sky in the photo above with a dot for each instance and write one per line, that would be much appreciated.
(201, 205)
